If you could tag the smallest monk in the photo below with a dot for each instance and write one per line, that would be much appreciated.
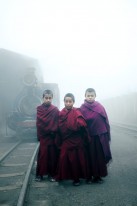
(73, 157)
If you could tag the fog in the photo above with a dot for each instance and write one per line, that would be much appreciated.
(79, 44)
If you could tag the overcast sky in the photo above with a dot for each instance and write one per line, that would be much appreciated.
(79, 44)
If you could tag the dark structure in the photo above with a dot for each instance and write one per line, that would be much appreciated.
(21, 88)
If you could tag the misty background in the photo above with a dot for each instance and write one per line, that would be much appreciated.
(79, 44)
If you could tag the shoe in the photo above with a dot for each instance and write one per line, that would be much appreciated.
(97, 180)
(76, 183)
(52, 180)
(39, 178)
(89, 182)
(100, 179)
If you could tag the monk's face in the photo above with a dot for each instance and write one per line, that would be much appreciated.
(90, 96)
(68, 102)
(47, 99)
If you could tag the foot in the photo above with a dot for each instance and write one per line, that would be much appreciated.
(52, 179)
(39, 178)
(76, 183)
(100, 179)
(89, 181)
(97, 180)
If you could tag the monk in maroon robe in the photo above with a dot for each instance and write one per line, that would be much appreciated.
(99, 131)
(47, 128)
(73, 157)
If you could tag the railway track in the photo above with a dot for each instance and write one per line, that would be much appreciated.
(125, 129)
(132, 128)
(15, 168)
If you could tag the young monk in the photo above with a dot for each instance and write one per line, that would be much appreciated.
(72, 128)
(99, 131)
(47, 127)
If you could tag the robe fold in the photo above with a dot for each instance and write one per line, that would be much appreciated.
(99, 132)
(73, 162)
(47, 128)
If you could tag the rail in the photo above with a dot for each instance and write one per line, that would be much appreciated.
(26, 179)
(126, 126)
(9, 151)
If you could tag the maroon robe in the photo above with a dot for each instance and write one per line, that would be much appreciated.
(99, 131)
(47, 127)
(73, 158)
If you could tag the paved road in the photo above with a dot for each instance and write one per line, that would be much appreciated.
(119, 187)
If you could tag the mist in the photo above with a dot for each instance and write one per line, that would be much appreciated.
(79, 44)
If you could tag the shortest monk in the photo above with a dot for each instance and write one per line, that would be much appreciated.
(47, 127)
(73, 158)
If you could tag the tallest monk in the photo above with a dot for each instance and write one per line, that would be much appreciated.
(47, 128)
(99, 135)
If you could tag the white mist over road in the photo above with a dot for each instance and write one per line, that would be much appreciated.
(79, 44)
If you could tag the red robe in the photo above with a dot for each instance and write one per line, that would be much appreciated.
(47, 127)
(73, 158)
(99, 132)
